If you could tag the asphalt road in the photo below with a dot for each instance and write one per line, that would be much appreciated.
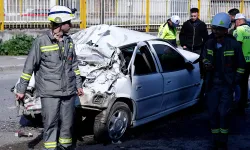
(185, 130)
(8, 114)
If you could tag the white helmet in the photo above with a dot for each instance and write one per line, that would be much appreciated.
(175, 20)
(60, 14)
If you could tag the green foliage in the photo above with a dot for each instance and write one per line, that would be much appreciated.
(18, 45)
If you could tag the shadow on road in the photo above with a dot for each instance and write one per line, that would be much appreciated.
(191, 122)
(37, 140)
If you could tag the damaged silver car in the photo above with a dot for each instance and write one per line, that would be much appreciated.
(130, 78)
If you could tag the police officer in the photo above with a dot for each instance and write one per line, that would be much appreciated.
(54, 62)
(242, 34)
(224, 65)
(167, 30)
(232, 13)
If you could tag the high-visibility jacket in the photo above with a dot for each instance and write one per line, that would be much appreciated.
(242, 34)
(166, 33)
(55, 67)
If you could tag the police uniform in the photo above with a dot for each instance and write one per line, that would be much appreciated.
(242, 34)
(167, 33)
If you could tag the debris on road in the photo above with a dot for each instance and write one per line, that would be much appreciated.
(23, 134)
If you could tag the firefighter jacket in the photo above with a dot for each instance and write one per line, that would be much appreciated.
(55, 67)
(231, 62)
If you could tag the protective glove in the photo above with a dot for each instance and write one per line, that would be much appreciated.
(237, 93)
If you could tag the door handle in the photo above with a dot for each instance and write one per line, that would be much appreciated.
(138, 87)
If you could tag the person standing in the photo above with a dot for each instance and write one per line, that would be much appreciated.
(242, 34)
(193, 33)
(53, 60)
(224, 67)
(167, 30)
(232, 13)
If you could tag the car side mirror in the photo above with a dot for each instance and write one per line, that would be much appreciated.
(189, 66)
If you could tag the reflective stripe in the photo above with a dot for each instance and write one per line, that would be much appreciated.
(247, 58)
(49, 48)
(70, 45)
(50, 145)
(77, 72)
(240, 70)
(224, 131)
(205, 60)
(229, 53)
(215, 131)
(65, 140)
(26, 76)
(210, 52)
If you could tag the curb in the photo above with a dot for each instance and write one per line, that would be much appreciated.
(10, 68)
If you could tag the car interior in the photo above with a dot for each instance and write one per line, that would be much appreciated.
(143, 61)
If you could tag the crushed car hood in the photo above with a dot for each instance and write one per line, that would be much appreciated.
(98, 52)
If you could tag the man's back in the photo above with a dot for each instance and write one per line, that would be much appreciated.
(242, 34)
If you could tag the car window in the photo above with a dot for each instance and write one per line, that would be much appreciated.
(170, 59)
(144, 63)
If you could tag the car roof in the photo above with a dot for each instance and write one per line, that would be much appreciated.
(116, 36)
(132, 36)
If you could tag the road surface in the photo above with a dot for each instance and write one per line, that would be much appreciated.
(185, 130)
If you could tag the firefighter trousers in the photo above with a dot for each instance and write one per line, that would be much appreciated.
(219, 101)
(58, 114)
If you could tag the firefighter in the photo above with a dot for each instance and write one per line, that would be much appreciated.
(224, 66)
(242, 34)
(167, 30)
(54, 62)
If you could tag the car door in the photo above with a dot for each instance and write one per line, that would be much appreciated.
(147, 82)
(180, 84)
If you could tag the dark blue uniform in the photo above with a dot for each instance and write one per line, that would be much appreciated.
(228, 66)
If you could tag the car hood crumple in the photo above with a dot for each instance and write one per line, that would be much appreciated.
(97, 49)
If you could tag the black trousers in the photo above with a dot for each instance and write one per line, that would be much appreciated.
(173, 42)
(244, 88)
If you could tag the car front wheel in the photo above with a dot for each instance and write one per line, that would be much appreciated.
(117, 123)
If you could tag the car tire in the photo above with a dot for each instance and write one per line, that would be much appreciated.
(118, 121)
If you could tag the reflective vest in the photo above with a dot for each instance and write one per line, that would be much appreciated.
(165, 32)
(242, 34)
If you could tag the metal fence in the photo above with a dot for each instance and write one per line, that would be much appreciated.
(134, 14)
